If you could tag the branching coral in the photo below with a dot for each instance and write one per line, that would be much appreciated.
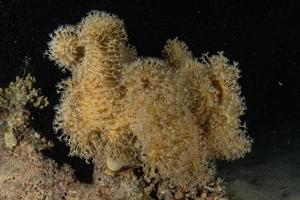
(13, 106)
(174, 116)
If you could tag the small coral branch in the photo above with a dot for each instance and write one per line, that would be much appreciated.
(14, 102)
(94, 51)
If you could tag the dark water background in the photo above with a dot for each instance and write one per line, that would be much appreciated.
(263, 36)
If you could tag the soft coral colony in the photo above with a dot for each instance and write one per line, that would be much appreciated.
(174, 116)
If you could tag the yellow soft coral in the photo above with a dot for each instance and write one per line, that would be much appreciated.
(174, 115)
(164, 126)
(94, 51)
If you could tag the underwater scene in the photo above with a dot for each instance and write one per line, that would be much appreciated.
(149, 100)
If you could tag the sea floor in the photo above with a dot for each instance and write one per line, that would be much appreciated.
(270, 172)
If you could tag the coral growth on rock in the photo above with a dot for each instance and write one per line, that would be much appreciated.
(25, 174)
(173, 115)
(14, 114)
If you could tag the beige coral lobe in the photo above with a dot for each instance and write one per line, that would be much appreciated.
(173, 115)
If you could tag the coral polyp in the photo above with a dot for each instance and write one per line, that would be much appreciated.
(173, 115)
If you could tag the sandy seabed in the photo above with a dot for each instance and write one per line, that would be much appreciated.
(270, 172)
